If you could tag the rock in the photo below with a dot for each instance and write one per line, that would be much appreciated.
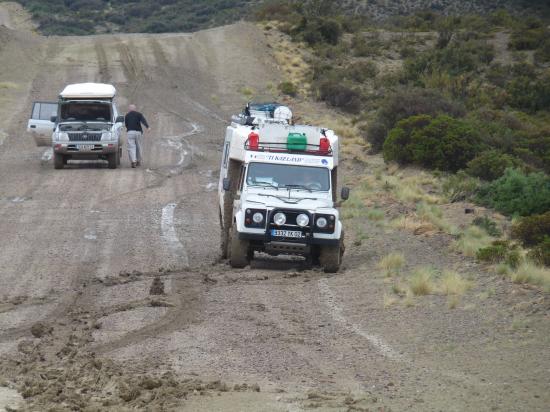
(157, 287)
(39, 329)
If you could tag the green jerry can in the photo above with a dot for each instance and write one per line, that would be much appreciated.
(296, 142)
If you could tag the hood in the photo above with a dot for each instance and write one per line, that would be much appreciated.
(308, 201)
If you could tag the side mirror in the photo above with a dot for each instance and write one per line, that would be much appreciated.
(119, 119)
(345, 193)
(226, 184)
(53, 119)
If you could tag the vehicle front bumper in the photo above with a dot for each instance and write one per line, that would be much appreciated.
(85, 148)
(261, 237)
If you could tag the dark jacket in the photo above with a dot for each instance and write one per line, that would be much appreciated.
(133, 121)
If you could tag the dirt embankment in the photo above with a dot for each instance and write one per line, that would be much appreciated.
(113, 298)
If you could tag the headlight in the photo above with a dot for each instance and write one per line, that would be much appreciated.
(322, 222)
(106, 136)
(279, 219)
(302, 220)
(257, 217)
(62, 136)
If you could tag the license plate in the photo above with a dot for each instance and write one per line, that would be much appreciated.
(286, 233)
(85, 147)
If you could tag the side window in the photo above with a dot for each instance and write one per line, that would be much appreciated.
(225, 155)
(44, 110)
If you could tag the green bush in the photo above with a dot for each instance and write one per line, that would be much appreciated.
(288, 88)
(527, 39)
(517, 193)
(488, 225)
(443, 143)
(361, 71)
(532, 230)
(406, 103)
(340, 95)
(490, 165)
(541, 253)
(495, 253)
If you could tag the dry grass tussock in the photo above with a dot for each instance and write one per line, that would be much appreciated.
(411, 189)
(8, 85)
(471, 240)
(421, 281)
(452, 283)
(392, 263)
(529, 273)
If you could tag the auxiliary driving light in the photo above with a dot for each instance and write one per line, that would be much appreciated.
(322, 222)
(258, 217)
(302, 220)
(279, 219)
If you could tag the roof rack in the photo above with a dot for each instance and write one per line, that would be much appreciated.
(281, 147)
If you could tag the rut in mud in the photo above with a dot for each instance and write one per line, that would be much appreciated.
(113, 297)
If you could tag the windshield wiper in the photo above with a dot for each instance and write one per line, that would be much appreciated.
(298, 187)
(264, 184)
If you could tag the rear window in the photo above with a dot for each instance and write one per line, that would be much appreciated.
(44, 111)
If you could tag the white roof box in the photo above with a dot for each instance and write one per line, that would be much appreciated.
(88, 91)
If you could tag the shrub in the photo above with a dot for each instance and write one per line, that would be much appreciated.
(532, 230)
(340, 96)
(488, 225)
(406, 103)
(490, 165)
(288, 88)
(495, 253)
(527, 39)
(443, 143)
(517, 193)
(541, 253)
(362, 71)
(528, 93)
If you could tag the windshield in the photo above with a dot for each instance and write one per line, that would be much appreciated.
(288, 176)
(87, 111)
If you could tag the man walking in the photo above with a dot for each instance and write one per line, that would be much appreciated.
(133, 122)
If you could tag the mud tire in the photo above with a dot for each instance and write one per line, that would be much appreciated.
(330, 257)
(114, 160)
(238, 253)
(58, 161)
(224, 238)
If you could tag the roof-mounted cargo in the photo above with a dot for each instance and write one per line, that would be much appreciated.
(88, 91)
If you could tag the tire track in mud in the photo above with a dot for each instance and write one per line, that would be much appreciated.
(103, 65)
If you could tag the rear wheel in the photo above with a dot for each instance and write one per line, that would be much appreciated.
(224, 238)
(113, 159)
(58, 161)
(239, 253)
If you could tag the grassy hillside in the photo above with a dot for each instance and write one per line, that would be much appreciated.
(76, 17)
(467, 97)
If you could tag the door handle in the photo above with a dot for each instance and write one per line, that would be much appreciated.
(33, 126)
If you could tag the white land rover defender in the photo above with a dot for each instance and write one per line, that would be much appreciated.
(277, 192)
(83, 124)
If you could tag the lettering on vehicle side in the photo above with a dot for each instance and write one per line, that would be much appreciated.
(288, 159)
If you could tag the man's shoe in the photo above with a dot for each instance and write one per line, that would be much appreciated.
(138, 163)
(133, 165)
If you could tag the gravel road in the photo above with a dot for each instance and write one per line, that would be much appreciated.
(112, 296)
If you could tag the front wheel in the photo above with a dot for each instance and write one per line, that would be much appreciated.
(330, 257)
(113, 160)
(238, 250)
(224, 238)
(58, 161)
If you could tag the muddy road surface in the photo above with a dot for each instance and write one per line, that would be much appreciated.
(112, 296)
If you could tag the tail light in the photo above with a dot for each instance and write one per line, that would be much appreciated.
(253, 141)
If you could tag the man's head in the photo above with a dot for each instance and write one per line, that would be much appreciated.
(132, 108)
